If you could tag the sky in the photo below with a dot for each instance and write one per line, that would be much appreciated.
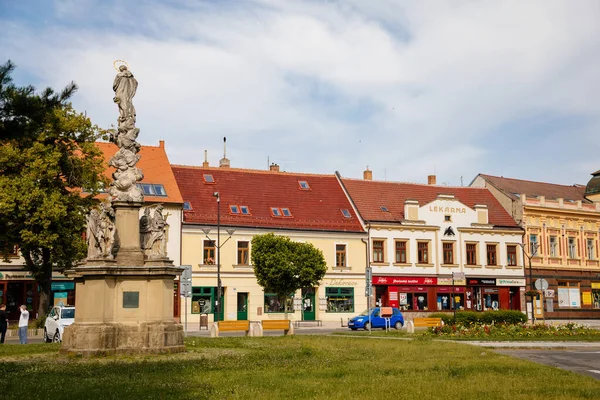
(405, 88)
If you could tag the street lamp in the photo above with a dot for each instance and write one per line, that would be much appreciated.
(534, 249)
(218, 250)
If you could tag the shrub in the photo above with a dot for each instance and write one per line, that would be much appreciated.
(467, 317)
(503, 316)
(446, 318)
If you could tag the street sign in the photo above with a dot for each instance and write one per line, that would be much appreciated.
(457, 276)
(368, 291)
(185, 281)
(549, 293)
(369, 275)
(541, 284)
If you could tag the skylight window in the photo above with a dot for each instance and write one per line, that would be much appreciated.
(304, 185)
(187, 206)
(234, 209)
(159, 190)
(208, 178)
(384, 208)
(346, 213)
(276, 212)
(245, 210)
(151, 189)
(286, 212)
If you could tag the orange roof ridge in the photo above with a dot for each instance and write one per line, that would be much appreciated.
(530, 181)
(250, 170)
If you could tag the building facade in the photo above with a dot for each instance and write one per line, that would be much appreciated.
(438, 248)
(561, 233)
(304, 207)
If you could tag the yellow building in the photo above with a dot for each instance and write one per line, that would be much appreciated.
(561, 237)
(242, 203)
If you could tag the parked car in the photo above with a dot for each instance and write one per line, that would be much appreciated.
(377, 321)
(57, 320)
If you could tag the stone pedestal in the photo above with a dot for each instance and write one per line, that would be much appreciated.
(127, 221)
(123, 310)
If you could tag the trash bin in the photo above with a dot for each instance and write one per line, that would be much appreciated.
(204, 321)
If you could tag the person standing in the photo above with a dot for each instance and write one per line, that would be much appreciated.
(3, 323)
(23, 324)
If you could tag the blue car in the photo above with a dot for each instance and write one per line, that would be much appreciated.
(362, 321)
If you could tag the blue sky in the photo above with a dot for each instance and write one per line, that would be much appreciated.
(407, 88)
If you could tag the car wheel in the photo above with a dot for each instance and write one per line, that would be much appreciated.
(56, 338)
(367, 326)
(398, 325)
(46, 338)
(354, 329)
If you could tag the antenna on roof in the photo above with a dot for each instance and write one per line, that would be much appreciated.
(461, 181)
(224, 147)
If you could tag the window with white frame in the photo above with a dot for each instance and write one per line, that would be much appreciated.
(553, 245)
(533, 245)
(572, 246)
(590, 249)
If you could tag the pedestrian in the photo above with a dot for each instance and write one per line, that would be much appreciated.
(23, 324)
(3, 323)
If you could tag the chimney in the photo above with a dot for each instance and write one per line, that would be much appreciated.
(368, 174)
(482, 214)
(274, 167)
(431, 180)
(161, 144)
(224, 162)
(205, 163)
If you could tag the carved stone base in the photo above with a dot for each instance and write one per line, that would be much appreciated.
(157, 262)
(118, 338)
(99, 262)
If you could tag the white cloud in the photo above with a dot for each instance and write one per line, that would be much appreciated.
(404, 87)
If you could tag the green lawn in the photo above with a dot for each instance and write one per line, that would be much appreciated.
(299, 367)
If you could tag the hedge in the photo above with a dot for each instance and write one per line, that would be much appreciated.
(486, 317)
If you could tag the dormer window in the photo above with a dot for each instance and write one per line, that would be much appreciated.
(286, 212)
(276, 212)
(208, 178)
(234, 209)
(187, 206)
(346, 213)
(245, 210)
(304, 185)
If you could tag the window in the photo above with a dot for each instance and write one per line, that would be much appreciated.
(208, 178)
(147, 189)
(275, 212)
(202, 300)
(276, 304)
(447, 218)
(245, 210)
(568, 295)
(553, 245)
(413, 298)
(596, 295)
(533, 245)
(209, 252)
(340, 255)
(491, 254)
(378, 251)
(471, 254)
(445, 301)
(511, 255)
(339, 299)
(422, 252)
(187, 206)
(151, 189)
(243, 251)
(572, 248)
(159, 190)
(286, 212)
(346, 213)
(304, 185)
(590, 249)
(384, 208)
(448, 253)
(401, 252)
(234, 209)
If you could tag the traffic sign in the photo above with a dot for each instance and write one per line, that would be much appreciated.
(185, 281)
(541, 284)
(369, 291)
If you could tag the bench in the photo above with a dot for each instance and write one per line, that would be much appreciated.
(317, 322)
(230, 326)
(274, 325)
(423, 323)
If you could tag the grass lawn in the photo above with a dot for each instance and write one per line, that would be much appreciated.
(298, 367)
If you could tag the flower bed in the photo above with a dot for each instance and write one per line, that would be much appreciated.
(504, 331)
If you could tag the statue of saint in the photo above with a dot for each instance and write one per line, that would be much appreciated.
(125, 86)
(153, 233)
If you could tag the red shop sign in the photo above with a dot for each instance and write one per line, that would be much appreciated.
(448, 289)
(397, 280)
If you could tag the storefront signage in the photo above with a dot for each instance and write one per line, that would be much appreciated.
(396, 280)
(510, 282)
(481, 281)
(17, 275)
(63, 285)
(449, 282)
(448, 210)
(595, 285)
(342, 282)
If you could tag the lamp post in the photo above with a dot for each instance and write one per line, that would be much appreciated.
(218, 251)
(534, 248)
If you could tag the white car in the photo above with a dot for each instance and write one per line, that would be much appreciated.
(56, 321)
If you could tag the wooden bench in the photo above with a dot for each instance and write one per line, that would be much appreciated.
(274, 325)
(423, 323)
(230, 326)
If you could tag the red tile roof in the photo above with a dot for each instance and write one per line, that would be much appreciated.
(530, 188)
(370, 196)
(316, 209)
(155, 166)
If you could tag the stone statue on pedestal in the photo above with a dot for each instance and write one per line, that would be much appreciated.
(101, 232)
(153, 233)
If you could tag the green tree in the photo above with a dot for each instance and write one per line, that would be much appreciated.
(47, 154)
(282, 266)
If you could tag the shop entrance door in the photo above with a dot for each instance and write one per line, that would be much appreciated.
(242, 306)
(308, 304)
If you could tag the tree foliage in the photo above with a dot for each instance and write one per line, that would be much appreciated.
(47, 154)
(282, 266)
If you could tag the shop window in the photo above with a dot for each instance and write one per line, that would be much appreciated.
(378, 251)
(209, 252)
(339, 299)
(553, 246)
(569, 295)
(491, 300)
(471, 254)
(202, 300)
(444, 301)
(422, 252)
(340, 255)
(276, 304)
(401, 252)
(243, 251)
(590, 249)
(572, 248)
(596, 295)
(421, 301)
(458, 301)
(491, 254)
(448, 253)
(511, 255)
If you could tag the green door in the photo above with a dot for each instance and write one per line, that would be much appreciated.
(242, 306)
(308, 304)
(222, 304)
